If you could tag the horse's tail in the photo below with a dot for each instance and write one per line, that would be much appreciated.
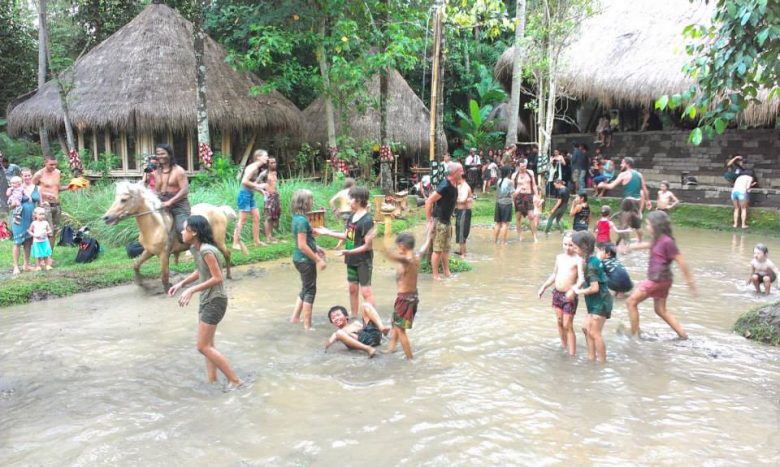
(229, 212)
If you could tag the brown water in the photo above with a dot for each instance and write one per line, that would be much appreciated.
(113, 377)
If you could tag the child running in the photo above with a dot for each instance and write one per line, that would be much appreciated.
(597, 297)
(213, 300)
(567, 273)
(359, 253)
(308, 257)
(666, 199)
(605, 227)
(40, 230)
(618, 279)
(407, 300)
(762, 269)
(15, 194)
(663, 250)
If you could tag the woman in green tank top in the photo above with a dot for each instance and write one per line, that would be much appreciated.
(213, 300)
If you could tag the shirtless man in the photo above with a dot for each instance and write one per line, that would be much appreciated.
(463, 215)
(523, 197)
(358, 334)
(48, 180)
(273, 207)
(246, 198)
(172, 186)
(567, 273)
(407, 299)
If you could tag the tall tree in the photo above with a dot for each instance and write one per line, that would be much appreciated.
(517, 73)
(42, 46)
(204, 139)
(17, 51)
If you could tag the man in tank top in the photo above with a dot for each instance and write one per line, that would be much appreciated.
(633, 184)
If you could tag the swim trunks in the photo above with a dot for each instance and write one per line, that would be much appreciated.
(53, 216)
(246, 200)
(370, 335)
(441, 237)
(360, 274)
(273, 208)
(655, 289)
(503, 213)
(524, 203)
(737, 195)
(462, 225)
(771, 275)
(212, 311)
(560, 301)
(405, 309)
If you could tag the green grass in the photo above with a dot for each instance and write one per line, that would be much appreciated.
(751, 325)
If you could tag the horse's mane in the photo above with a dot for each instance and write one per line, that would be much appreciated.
(136, 189)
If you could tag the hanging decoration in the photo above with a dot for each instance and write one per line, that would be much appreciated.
(205, 155)
(74, 162)
(385, 154)
(339, 165)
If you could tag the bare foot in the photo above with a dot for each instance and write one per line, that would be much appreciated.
(436, 278)
(49, 268)
(295, 319)
(371, 352)
(385, 330)
(16, 271)
(447, 275)
(389, 350)
(259, 243)
(236, 246)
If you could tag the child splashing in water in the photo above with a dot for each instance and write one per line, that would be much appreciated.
(597, 297)
(567, 273)
(41, 231)
(762, 269)
(663, 251)
(213, 301)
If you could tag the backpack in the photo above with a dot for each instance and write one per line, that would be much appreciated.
(88, 250)
(134, 249)
(66, 236)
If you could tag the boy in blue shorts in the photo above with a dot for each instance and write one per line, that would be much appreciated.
(358, 252)
(598, 300)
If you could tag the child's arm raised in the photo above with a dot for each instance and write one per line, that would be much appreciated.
(686, 273)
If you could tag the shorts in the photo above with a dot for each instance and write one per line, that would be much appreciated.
(273, 208)
(53, 216)
(370, 335)
(503, 213)
(739, 196)
(360, 274)
(246, 200)
(212, 311)
(524, 203)
(441, 237)
(559, 301)
(308, 272)
(771, 275)
(655, 289)
(462, 225)
(405, 309)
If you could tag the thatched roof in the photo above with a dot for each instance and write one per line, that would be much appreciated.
(408, 120)
(143, 77)
(500, 116)
(633, 52)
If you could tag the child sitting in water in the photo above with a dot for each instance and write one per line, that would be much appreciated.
(360, 334)
(567, 273)
(618, 279)
(762, 269)
(666, 199)
(407, 300)
(663, 250)
(597, 298)
(40, 230)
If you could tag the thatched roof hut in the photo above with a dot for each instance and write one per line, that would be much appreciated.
(408, 120)
(141, 81)
(633, 52)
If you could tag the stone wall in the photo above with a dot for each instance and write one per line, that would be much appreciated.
(665, 155)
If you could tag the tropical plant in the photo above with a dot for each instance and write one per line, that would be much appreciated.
(474, 127)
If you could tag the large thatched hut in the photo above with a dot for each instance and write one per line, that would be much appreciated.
(408, 120)
(632, 52)
(138, 88)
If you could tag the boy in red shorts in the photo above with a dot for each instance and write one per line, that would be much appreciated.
(407, 299)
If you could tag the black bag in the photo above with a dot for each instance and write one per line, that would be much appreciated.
(134, 249)
(88, 250)
(66, 236)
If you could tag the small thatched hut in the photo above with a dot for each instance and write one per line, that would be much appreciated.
(633, 52)
(408, 120)
(138, 88)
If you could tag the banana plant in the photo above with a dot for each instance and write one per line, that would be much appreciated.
(474, 127)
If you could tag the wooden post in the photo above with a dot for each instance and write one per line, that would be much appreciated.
(435, 82)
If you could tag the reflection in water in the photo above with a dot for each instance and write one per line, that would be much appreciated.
(113, 377)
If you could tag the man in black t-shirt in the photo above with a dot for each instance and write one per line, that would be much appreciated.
(438, 212)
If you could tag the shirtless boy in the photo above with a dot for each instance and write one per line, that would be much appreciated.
(362, 334)
(273, 207)
(567, 273)
(407, 299)
(340, 205)
(523, 197)
(762, 269)
(48, 181)
(666, 199)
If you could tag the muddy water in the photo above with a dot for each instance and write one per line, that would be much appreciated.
(112, 377)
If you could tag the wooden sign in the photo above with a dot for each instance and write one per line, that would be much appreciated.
(316, 218)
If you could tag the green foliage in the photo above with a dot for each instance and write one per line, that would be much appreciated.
(752, 326)
(18, 52)
(731, 61)
(474, 127)
(456, 265)
(21, 151)
(222, 169)
(105, 163)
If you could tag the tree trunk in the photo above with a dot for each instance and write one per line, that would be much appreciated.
(199, 39)
(517, 75)
(42, 44)
(440, 136)
(63, 93)
(330, 120)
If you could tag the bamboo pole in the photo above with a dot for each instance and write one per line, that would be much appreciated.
(435, 82)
